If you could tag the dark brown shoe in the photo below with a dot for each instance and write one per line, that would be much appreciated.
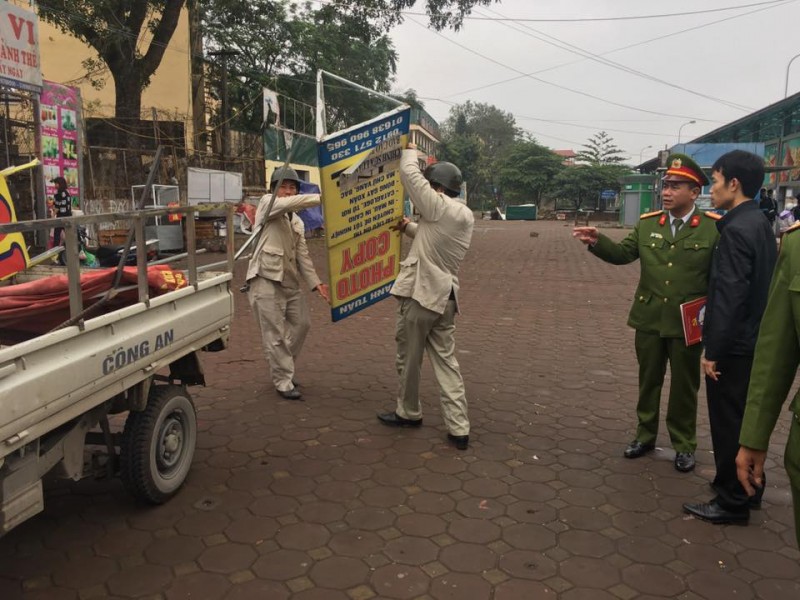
(459, 441)
(292, 394)
(392, 419)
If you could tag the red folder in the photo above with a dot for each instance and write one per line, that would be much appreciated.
(692, 315)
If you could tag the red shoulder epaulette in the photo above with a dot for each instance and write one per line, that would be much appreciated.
(713, 215)
(651, 214)
(794, 227)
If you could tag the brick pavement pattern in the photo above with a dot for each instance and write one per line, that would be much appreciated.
(316, 500)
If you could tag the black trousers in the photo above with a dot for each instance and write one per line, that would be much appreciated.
(726, 402)
(58, 233)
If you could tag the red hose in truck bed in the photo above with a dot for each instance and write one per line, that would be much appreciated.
(37, 307)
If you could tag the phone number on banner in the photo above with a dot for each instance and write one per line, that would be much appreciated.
(360, 140)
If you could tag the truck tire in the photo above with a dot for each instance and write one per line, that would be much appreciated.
(158, 444)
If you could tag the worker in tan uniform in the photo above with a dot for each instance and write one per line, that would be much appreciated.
(427, 293)
(278, 269)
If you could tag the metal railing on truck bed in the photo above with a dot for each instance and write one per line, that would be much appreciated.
(56, 387)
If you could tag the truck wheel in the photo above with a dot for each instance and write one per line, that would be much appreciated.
(157, 445)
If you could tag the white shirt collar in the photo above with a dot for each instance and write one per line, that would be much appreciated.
(685, 218)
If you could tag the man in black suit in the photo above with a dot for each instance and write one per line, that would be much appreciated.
(741, 271)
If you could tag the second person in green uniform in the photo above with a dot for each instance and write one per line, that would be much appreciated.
(777, 357)
(674, 248)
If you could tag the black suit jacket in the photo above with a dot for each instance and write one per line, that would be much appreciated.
(741, 271)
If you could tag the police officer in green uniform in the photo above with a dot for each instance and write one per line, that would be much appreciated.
(775, 364)
(674, 247)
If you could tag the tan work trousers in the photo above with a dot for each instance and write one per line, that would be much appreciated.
(419, 330)
(283, 320)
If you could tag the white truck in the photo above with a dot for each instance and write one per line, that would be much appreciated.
(58, 389)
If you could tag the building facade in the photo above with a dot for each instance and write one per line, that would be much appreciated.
(777, 127)
(173, 91)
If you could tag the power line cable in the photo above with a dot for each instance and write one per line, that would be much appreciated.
(621, 48)
(572, 48)
(537, 133)
(556, 85)
(565, 123)
(602, 19)
(471, 17)
(114, 122)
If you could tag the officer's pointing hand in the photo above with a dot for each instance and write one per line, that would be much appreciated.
(588, 235)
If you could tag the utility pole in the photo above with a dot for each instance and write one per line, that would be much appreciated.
(225, 127)
(786, 86)
(692, 122)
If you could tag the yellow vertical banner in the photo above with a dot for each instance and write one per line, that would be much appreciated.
(13, 252)
(362, 197)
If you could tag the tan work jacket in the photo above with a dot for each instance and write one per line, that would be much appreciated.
(281, 253)
(441, 239)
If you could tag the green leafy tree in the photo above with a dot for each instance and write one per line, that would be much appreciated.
(410, 97)
(581, 185)
(335, 41)
(113, 29)
(281, 46)
(496, 128)
(467, 152)
(476, 137)
(527, 171)
(600, 149)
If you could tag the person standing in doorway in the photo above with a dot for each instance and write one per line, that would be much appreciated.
(62, 207)
(768, 205)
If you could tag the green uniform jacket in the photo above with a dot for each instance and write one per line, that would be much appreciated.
(777, 350)
(673, 270)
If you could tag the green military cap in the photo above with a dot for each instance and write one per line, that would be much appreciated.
(682, 167)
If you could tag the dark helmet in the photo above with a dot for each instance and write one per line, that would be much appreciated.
(445, 174)
(284, 174)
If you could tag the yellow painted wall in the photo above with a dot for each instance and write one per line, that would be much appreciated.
(170, 88)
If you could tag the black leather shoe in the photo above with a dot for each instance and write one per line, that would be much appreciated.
(684, 462)
(459, 441)
(292, 394)
(636, 449)
(392, 419)
(714, 513)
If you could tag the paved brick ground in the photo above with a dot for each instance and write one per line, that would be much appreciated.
(316, 500)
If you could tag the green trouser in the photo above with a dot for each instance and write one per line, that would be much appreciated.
(791, 460)
(653, 352)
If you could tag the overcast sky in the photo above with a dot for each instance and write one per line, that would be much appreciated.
(734, 62)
